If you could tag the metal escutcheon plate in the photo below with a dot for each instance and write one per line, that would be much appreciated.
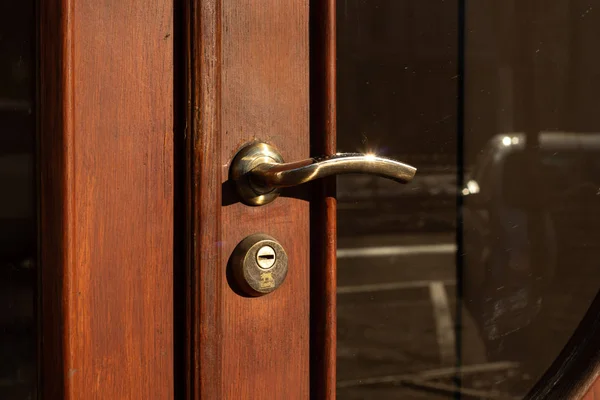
(246, 160)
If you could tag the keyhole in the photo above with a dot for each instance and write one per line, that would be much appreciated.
(265, 257)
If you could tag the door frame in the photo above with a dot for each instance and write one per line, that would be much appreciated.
(105, 161)
(575, 374)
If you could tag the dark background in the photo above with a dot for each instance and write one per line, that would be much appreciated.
(430, 82)
(527, 66)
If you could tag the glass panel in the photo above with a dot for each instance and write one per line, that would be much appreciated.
(18, 243)
(469, 281)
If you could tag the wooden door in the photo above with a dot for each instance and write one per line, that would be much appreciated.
(140, 110)
(263, 72)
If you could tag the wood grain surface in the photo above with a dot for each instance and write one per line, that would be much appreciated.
(204, 307)
(323, 205)
(106, 164)
(593, 392)
(249, 79)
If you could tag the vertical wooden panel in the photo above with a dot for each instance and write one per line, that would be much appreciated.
(248, 80)
(204, 311)
(106, 150)
(323, 206)
(265, 96)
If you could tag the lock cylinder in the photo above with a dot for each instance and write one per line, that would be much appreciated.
(259, 265)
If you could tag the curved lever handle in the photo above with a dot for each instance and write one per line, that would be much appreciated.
(259, 171)
(276, 175)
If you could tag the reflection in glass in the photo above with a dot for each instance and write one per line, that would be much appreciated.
(468, 282)
(17, 201)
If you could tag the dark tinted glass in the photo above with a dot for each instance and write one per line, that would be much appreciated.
(17, 201)
(469, 281)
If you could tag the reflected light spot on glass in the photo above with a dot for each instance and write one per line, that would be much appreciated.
(472, 187)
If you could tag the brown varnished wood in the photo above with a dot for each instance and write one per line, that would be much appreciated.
(248, 69)
(323, 205)
(264, 95)
(593, 392)
(106, 164)
(205, 307)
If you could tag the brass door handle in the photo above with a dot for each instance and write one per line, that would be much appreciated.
(259, 171)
